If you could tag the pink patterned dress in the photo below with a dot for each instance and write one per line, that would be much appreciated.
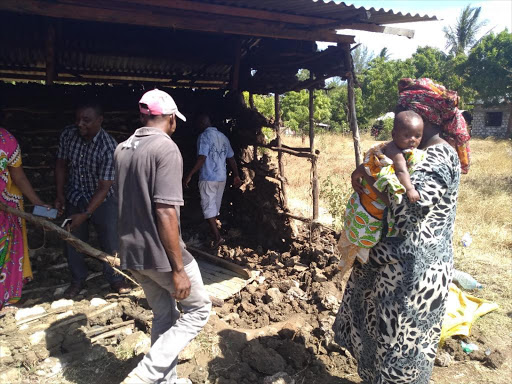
(14, 261)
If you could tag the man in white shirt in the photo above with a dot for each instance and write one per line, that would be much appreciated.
(213, 150)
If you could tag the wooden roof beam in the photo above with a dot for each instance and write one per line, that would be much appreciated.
(409, 33)
(147, 17)
(225, 10)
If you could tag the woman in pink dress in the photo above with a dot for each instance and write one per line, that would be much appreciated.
(15, 267)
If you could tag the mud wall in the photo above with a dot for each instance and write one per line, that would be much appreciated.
(36, 115)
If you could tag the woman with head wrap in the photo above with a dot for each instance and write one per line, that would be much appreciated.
(391, 314)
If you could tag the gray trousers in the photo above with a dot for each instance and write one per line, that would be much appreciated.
(171, 332)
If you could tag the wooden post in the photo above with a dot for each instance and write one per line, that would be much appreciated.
(50, 54)
(251, 101)
(349, 73)
(277, 127)
(314, 171)
(235, 70)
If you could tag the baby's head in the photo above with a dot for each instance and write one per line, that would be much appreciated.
(407, 130)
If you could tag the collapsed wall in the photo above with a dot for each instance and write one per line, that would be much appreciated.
(37, 114)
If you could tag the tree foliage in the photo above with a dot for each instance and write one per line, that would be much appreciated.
(463, 35)
(295, 109)
(379, 85)
(488, 68)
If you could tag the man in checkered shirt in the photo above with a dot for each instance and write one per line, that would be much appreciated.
(86, 157)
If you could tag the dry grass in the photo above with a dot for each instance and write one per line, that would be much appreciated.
(484, 211)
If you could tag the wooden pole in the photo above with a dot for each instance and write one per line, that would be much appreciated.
(277, 127)
(69, 238)
(50, 54)
(349, 68)
(314, 170)
(251, 101)
(235, 70)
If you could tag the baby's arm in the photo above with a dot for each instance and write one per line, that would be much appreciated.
(401, 171)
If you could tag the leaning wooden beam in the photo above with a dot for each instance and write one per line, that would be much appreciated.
(158, 17)
(288, 151)
(300, 149)
(306, 220)
(69, 238)
(223, 263)
(349, 65)
(277, 128)
(314, 170)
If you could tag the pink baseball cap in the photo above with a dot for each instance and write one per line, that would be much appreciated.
(157, 102)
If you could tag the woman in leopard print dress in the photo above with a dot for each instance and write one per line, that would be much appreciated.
(391, 314)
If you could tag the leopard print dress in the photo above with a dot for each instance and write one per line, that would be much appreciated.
(391, 313)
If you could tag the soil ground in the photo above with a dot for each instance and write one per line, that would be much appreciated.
(279, 323)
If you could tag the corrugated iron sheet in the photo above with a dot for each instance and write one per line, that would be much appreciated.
(328, 9)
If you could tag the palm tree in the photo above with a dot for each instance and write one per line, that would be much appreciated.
(461, 37)
(384, 54)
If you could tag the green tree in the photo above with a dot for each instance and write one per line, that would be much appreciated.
(488, 68)
(442, 68)
(263, 103)
(361, 57)
(384, 54)
(430, 62)
(379, 85)
(462, 36)
(295, 109)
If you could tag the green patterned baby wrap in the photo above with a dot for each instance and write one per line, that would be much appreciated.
(364, 214)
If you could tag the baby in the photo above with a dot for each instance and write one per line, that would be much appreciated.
(390, 164)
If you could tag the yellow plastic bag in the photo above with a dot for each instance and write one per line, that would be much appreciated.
(462, 310)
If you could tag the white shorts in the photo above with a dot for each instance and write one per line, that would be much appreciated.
(211, 197)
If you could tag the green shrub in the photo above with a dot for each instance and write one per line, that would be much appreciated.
(335, 191)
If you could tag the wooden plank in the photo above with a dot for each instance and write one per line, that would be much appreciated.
(409, 33)
(219, 277)
(212, 266)
(224, 10)
(216, 278)
(217, 260)
(223, 283)
(117, 13)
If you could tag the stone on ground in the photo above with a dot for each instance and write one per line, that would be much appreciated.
(279, 378)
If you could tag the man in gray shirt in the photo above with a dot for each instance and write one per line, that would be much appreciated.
(149, 170)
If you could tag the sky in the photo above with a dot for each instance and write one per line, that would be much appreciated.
(498, 14)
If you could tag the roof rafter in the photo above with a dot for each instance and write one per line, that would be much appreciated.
(115, 12)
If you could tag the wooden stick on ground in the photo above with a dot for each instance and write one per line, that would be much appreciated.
(80, 245)
(100, 330)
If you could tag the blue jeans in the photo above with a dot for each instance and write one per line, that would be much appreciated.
(104, 219)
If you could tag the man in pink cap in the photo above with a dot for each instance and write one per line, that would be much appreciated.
(149, 170)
